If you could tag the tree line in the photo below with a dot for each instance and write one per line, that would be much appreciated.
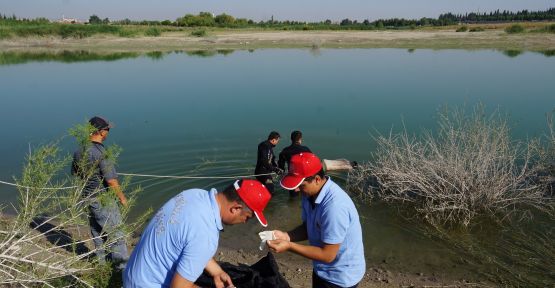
(207, 19)
(501, 16)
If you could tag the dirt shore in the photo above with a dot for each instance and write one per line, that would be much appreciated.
(298, 272)
(253, 39)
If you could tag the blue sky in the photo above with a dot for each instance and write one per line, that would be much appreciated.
(307, 10)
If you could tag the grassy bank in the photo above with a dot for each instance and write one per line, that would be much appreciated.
(79, 31)
(492, 37)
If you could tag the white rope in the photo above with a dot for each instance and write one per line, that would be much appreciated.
(193, 177)
(149, 176)
(45, 188)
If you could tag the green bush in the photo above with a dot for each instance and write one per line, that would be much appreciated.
(462, 29)
(4, 34)
(476, 29)
(199, 33)
(34, 30)
(550, 28)
(514, 29)
(153, 32)
(72, 31)
(127, 32)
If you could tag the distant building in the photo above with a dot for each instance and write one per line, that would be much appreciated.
(69, 20)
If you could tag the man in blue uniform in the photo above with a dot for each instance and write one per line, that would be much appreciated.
(91, 164)
(181, 239)
(330, 223)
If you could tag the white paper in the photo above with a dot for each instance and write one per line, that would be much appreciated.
(265, 236)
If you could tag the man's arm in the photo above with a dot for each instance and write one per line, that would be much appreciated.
(265, 159)
(114, 184)
(221, 279)
(325, 254)
(285, 242)
(179, 282)
(295, 235)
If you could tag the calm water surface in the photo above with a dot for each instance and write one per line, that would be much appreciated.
(204, 113)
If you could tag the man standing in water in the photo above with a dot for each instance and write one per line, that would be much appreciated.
(181, 239)
(289, 151)
(266, 161)
(90, 163)
(330, 223)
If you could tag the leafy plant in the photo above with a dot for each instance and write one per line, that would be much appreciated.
(153, 32)
(514, 29)
(46, 244)
(462, 29)
(476, 29)
(199, 33)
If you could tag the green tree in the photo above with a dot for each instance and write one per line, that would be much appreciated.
(224, 19)
(94, 20)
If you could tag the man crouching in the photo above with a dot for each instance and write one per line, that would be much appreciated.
(182, 238)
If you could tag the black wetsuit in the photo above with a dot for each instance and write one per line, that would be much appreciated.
(266, 163)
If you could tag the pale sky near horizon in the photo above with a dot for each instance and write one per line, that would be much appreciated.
(301, 10)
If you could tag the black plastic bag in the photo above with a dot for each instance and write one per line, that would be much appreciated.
(262, 274)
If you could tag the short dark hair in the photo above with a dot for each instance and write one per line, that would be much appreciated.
(273, 135)
(231, 194)
(296, 136)
(320, 173)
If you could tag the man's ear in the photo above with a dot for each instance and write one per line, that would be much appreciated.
(235, 207)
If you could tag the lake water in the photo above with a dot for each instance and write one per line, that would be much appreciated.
(203, 113)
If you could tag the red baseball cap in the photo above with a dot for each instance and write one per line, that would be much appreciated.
(255, 195)
(302, 165)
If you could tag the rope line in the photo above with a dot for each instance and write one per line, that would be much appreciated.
(149, 176)
(193, 177)
(28, 187)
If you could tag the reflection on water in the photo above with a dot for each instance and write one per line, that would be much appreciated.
(11, 58)
(512, 53)
(66, 56)
(209, 53)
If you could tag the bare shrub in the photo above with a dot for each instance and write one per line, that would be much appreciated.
(470, 167)
(48, 243)
(545, 149)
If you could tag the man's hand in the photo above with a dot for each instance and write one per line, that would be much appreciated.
(123, 201)
(279, 246)
(280, 235)
(222, 280)
(279, 171)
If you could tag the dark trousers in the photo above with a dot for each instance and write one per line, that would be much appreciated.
(318, 282)
(101, 220)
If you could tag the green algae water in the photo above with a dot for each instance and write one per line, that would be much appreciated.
(202, 113)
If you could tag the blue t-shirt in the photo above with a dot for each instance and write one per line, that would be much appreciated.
(333, 219)
(93, 157)
(182, 237)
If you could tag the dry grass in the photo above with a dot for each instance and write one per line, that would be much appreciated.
(469, 168)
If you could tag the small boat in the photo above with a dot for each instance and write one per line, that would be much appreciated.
(338, 164)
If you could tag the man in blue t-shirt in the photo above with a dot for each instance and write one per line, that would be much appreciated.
(330, 223)
(179, 242)
(98, 172)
